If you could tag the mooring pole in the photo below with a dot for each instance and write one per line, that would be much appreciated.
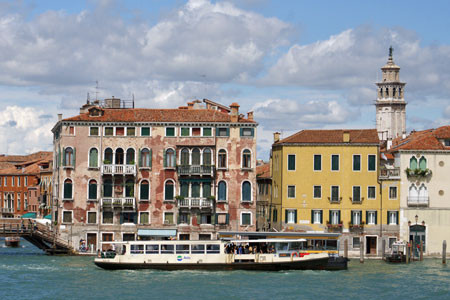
(444, 252)
(383, 251)
(361, 251)
(346, 248)
(407, 253)
(421, 250)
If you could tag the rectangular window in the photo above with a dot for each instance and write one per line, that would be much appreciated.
(92, 217)
(291, 162)
(372, 163)
(108, 217)
(222, 219)
(246, 218)
(120, 131)
(335, 216)
(207, 131)
(317, 217)
(223, 131)
(357, 162)
(18, 201)
(196, 131)
(356, 217)
(334, 162)
(356, 242)
(170, 131)
(144, 218)
(247, 132)
(371, 191)
(317, 162)
(145, 131)
(26, 181)
(392, 217)
(93, 131)
(13, 180)
(392, 192)
(317, 192)
(71, 130)
(131, 131)
(371, 217)
(109, 131)
(5, 181)
(206, 219)
(291, 216)
(18, 181)
(67, 217)
(128, 217)
(356, 194)
(291, 191)
(335, 193)
(392, 241)
(185, 131)
(168, 218)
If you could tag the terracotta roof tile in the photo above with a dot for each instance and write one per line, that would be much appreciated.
(333, 136)
(263, 171)
(158, 115)
(423, 140)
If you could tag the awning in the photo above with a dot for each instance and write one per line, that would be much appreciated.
(29, 215)
(157, 232)
(48, 217)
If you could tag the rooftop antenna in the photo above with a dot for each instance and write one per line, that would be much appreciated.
(96, 90)
(133, 100)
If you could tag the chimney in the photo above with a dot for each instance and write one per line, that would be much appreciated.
(234, 112)
(276, 137)
(389, 144)
(250, 116)
(59, 117)
(190, 105)
(346, 137)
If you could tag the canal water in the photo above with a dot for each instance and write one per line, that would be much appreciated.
(25, 273)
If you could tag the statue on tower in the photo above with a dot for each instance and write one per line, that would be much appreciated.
(390, 51)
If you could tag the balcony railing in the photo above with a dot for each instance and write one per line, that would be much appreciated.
(196, 170)
(195, 203)
(119, 169)
(7, 210)
(335, 199)
(357, 200)
(418, 200)
(128, 203)
(390, 173)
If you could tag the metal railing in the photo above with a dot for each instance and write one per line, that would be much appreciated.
(418, 200)
(389, 173)
(119, 169)
(127, 203)
(196, 170)
(195, 203)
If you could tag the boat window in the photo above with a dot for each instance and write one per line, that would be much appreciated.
(165, 249)
(319, 245)
(182, 249)
(213, 249)
(137, 249)
(152, 249)
(197, 249)
(282, 246)
(332, 245)
(295, 246)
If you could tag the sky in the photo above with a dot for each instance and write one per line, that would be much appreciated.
(296, 64)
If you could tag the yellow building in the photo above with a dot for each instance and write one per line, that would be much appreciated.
(328, 180)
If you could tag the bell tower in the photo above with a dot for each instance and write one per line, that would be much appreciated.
(390, 104)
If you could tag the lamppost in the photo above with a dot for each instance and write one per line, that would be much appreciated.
(415, 237)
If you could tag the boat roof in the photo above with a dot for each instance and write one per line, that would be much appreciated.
(267, 241)
(280, 234)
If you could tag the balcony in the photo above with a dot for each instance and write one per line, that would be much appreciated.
(393, 173)
(7, 210)
(201, 170)
(195, 203)
(126, 204)
(119, 170)
(334, 227)
(418, 200)
(356, 200)
(336, 200)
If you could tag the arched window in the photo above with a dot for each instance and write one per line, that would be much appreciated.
(129, 188)
(246, 159)
(413, 193)
(107, 188)
(222, 191)
(386, 92)
(130, 156)
(207, 157)
(93, 158)
(393, 92)
(169, 190)
(146, 158)
(423, 193)
(423, 163)
(196, 157)
(108, 156)
(69, 158)
(119, 156)
(68, 189)
(246, 191)
(413, 163)
(185, 157)
(92, 193)
(222, 159)
(169, 159)
(145, 190)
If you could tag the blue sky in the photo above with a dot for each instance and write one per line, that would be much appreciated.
(296, 64)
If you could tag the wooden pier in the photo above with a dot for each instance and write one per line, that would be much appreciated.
(37, 234)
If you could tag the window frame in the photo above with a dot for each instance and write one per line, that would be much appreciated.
(320, 162)
(98, 130)
(71, 216)
(390, 213)
(89, 158)
(368, 163)
(353, 193)
(353, 163)
(165, 218)
(174, 131)
(320, 213)
(63, 189)
(314, 191)
(226, 159)
(375, 192)
(242, 192)
(295, 162)
(249, 160)
(173, 191)
(396, 193)
(88, 189)
(103, 219)
(339, 193)
(140, 220)
(226, 191)
(140, 188)
(149, 131)
(287, 191)
(374, 214)
(241, 219)
(338, 162)
(87, 217)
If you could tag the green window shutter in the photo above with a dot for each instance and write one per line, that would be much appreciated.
(321, 217)
(422, 163)
(227, 219)
(351, 217)
(150, 158)
(228, 131)
(135, 218)
(396, 213)
(144, 191)
(372, 160)
(241, 131)
(140, 158)
(376, 219)
(285, 216)
(329, 216)
(367, 217)
(317, 162)
(356, 162)
(253, 131)
(339, 216)
(312, 216)
(63, 156)
(413, 163)
(206, 189)
(92, 191)
(179, 218)
(214, 219)
(121, 218)
(295, 216)
(189, 218)
(217, 131)
(164, 159)
(74, 157)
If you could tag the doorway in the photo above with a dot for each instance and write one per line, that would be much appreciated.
(91, 239)
(371, 245)
(417, 235)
